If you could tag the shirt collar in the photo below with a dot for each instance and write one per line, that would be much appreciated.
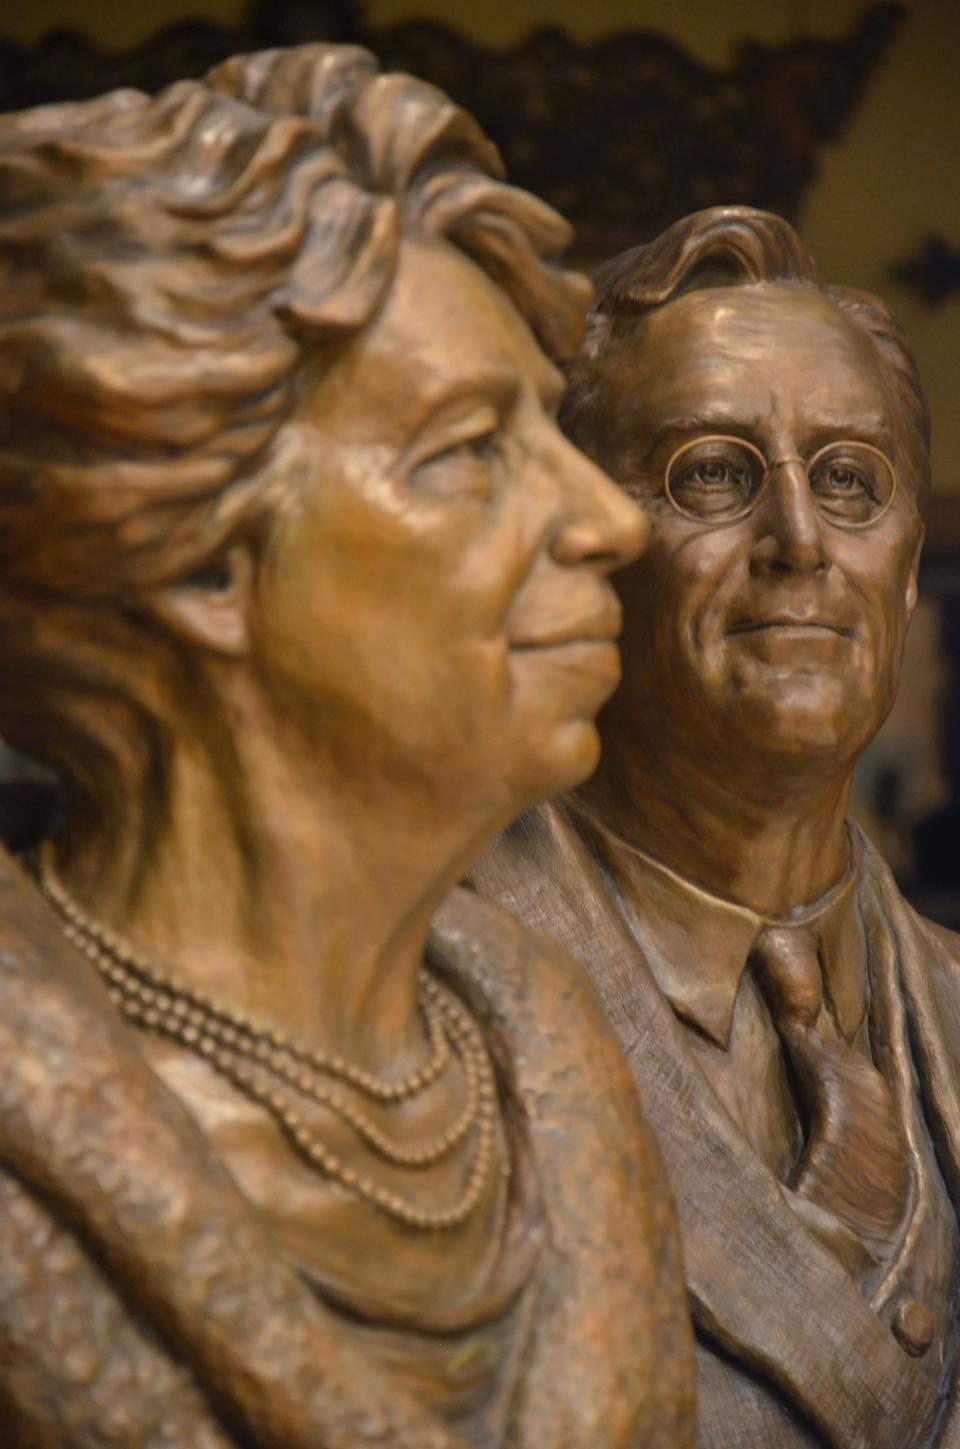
(698, 944)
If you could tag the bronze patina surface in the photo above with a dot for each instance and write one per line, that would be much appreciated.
(791, 1023)
(303, 596)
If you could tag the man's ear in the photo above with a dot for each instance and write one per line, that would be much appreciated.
(911, 594)
(211, 608)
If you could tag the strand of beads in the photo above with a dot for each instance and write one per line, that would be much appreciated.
(255, 1085)
(248, 1054)
(248, 1029)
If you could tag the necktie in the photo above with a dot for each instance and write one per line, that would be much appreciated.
(854, 1163)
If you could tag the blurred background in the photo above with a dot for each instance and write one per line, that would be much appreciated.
(842, 115)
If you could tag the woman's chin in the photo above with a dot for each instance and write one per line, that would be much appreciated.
(565, 759)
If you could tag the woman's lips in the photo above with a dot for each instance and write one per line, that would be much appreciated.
(600, 627)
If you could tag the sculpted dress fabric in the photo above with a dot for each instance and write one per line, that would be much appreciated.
(142, 1302)
(790, 1351)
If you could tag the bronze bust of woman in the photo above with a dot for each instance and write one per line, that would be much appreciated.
(303, 596)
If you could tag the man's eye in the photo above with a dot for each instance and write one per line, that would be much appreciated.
(851, 482)
(712, 477)
(842, 479)
(712, 473)
(715, 479)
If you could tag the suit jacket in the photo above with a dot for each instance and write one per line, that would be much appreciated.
(790, 1352)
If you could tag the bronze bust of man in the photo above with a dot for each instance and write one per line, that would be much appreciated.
(793, 1027)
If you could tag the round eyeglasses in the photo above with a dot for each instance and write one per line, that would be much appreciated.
(716, 479)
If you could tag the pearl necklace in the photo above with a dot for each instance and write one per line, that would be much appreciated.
(257, 1059)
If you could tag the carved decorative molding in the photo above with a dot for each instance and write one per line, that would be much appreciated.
(622, 136)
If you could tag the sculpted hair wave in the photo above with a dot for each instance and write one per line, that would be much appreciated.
(166, 262)
(729, 246)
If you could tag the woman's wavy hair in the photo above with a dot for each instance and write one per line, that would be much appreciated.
(729, 246)
(166, 265)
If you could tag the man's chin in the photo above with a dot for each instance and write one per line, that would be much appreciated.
(804, 716)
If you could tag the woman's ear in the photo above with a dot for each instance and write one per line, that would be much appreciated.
(211, 608)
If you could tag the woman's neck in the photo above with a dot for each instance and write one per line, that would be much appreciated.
(279, 888)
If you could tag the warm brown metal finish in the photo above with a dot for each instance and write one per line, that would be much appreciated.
(304, 595)
(793, 1027)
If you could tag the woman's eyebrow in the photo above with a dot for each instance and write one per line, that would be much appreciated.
(453, 402)
(489, 385)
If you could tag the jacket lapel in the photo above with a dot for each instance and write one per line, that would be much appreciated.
(760, 1284)
(929, 965)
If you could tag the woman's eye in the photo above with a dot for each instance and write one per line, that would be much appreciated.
(463, 467)
(482, 448)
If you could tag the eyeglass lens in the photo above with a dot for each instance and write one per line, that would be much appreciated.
(719, 478)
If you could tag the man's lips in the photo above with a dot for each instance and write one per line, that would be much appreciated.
(790, 623)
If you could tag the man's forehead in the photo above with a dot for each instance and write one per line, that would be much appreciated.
(763, 317)
(762, 342)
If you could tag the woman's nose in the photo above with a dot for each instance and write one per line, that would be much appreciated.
(600, 524)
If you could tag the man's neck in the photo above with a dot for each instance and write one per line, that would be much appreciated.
(770, 846)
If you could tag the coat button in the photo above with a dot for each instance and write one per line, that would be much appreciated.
(913, 1326)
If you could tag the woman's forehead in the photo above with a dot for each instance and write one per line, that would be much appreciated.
(444, 328)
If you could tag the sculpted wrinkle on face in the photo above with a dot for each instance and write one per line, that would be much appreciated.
(469, 508)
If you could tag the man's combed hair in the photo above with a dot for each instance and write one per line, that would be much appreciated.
(165, 263)
(729, 246)
(722, 246)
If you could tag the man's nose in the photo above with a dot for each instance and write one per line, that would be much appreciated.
(789, 530)
(599, 524)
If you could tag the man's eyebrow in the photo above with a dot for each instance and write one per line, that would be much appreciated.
(681, 428)
(875, 430)
(694, 422)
